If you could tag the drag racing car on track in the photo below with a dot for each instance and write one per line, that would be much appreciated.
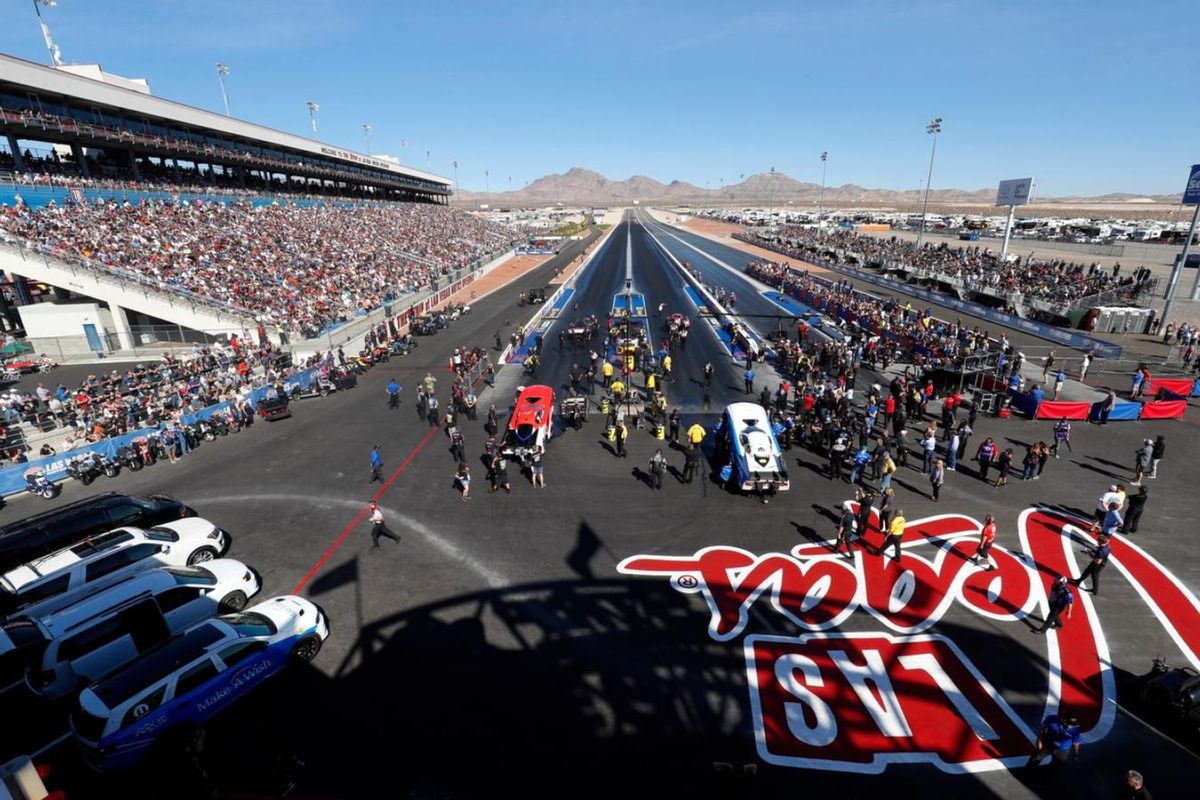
(746, 444)
(531, 423)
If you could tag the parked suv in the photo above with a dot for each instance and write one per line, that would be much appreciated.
(56, 580)
(33, 537)
(107, 630)
(193, 677)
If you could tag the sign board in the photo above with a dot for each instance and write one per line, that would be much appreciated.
(1191, 195)
(1014, 192)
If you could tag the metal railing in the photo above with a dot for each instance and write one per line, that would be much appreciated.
(124, 279)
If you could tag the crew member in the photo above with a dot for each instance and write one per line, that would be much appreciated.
(378, 528)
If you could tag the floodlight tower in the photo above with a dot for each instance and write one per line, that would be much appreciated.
(821, 201)
(933, 128)
(51, 47)
(367, 128)
(313, 108)
(222, 74)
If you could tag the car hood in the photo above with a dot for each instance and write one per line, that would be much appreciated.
(189, 527)
(288, 612)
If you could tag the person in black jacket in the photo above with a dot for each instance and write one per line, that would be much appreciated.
(1134, 787)
(1137, 504)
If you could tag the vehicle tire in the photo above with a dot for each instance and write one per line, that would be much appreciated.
(385, 358)
(209, 436)
(112, 471)
(47, 494)
(232, 602)
(307, 648)
(296, 393)
(201, 555)
(324, 392)
(135, 464)
(86, 479)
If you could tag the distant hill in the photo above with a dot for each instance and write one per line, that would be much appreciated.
(578, 186)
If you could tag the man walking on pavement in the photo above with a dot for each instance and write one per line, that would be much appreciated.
(1061, 600)
(1097, 564)
(622, 434)
(1058, 738)
(708, 373)
(658, 465)
(376, 465)
(378, 528)
(393, 390)
(748, 379)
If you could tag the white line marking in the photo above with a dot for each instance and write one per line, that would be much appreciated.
(444, 546)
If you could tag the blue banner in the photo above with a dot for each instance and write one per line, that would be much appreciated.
(1123, 412)
(1191, 195)
(12, 479)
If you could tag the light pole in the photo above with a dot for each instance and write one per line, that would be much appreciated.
(404, 151)
(510, 184)
(367, 128)
(934, 127)
(313, 108)
(51, 47)
(455, 165)
(428, 163)
(222, 74)
(487, 181)
(821, 201)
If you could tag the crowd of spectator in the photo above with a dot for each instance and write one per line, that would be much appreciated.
(883, 329)
(142, 395)
(980, 269)
(300, 269)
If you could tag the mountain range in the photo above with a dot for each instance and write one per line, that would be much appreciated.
(583, 186)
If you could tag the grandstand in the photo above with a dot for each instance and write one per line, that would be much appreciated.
(169, 216)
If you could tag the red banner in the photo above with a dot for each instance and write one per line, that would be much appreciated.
(1180, 386)
(1167, 409)
(1060, 409)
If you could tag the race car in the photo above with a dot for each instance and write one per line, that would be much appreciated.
(747, 445)
(274, 405)
(531, 423)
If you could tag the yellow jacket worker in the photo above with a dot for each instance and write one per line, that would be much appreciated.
(696, 433)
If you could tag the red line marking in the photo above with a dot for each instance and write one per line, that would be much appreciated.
(359, 516)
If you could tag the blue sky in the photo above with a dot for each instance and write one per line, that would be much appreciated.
(1090, 97)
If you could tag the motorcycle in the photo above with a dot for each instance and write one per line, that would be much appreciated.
(37, 483)
(85, 468)
(111, 467)
(126, 457)
(145, 453)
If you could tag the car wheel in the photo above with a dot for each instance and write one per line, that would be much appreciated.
(324, 392)
(86, 479)
(201, 555)
(307, 648)
(232, 602)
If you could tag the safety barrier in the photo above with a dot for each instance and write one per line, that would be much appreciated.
(1080, 411)
(12, 478)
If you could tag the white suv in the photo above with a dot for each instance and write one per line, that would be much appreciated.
(108, 629)
(55, 580)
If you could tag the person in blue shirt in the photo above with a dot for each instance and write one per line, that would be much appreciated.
(393, 390)
(1061, 600)
(376, 465)
(1037, 394)
(1058, 738)
(860, 460)
(748, 377)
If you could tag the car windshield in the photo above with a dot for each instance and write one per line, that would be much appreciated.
(191, 575)
(251, 624)
(159, 534)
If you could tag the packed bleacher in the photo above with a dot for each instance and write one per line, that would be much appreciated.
(303, 268)
(141, 395)
(1057, 281)
(884, 327)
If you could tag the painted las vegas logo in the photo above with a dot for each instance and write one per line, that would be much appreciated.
(857, 702)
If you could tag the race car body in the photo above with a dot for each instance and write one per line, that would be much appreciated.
(752, 449)
(531, 423)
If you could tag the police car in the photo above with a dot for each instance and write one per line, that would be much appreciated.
(748, 446)
(188, 680)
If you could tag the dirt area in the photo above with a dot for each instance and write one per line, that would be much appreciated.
(510, 270)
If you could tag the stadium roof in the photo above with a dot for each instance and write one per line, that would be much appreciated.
(31, 77)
